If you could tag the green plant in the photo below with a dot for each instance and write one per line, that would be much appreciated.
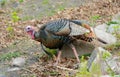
(15, 17)
(21, 1)
(45, 2)
(105, 55)
(60, 8)
(51, 51)
(10, 31)
(95, 70)
(3, 2)
(116, 28)
(112, 22)
(9, 55)
(94, 19)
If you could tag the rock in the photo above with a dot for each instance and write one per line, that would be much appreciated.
(102, 27)
(19, 61)
(106, 37)
(2, 75)
(82, 48)
(106, 61)
(13, 69)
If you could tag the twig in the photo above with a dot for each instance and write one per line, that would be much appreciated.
(28, 70)
(68, 69)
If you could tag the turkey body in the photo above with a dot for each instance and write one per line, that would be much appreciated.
(57, 33)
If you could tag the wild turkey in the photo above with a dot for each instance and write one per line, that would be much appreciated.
(61, 32)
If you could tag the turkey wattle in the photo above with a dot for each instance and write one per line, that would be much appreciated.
(57, 33)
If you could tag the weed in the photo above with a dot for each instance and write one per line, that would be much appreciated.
(10, 31)
(3, 2)
(112, 22)
(94, 19)
(116, 28)
(9, 55)
(83, 71)
(45, 2)
(21, 1)
(105, 55)
(60, 8)
(15, 17)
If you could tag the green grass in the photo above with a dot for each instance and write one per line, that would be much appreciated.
(44, 2)
(9, 55)
(94, 19)
(21, 1)
(112, 22)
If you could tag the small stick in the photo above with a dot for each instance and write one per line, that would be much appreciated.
(68, 69)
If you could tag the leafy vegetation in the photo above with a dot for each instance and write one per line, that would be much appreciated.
(3, 2)
(105, 55)
(94, 19)
(45, 2)
(21, 1)
(9, 55)
(112, 22)
(15, 17)
(84, 72)
(10, 31)
(60, 7)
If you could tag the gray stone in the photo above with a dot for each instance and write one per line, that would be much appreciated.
(102, 27)
(13, 69)
(109, 61)
(106, 37)
(84, 48)
(2, 75)
(19, 61)
(81, 47)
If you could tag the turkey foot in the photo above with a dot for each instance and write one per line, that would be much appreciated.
(58, 58)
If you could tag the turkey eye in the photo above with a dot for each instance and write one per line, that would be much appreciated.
(28, 28)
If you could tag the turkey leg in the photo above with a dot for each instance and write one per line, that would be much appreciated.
(58, 57)
(75, 52)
